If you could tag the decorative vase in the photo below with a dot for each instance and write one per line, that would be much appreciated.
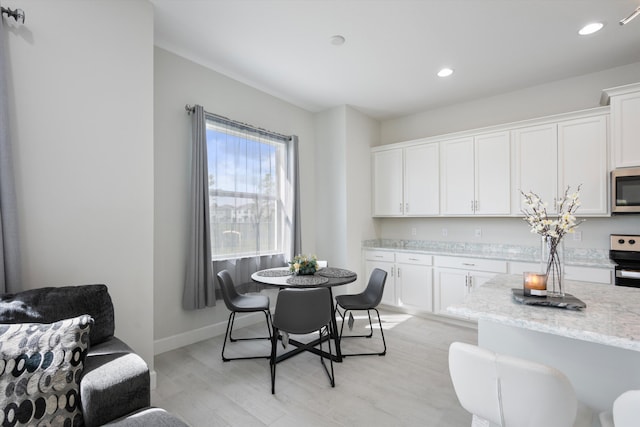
(553, 265)
(306, 271)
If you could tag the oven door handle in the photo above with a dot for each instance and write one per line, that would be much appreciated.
(630, 274)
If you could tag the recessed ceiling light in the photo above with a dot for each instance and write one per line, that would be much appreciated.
(445, 72)
(338, 40)
(591, 28)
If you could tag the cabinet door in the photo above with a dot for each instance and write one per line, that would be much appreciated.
(450, 288)
(477, 279)
(582, 159)
(493, 174)
(625, 129)
(387, 183)
(421, 180)
(536, 163)
(389, 295)
(456, 170)
(415, 286)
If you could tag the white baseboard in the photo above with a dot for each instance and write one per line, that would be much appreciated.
(163, 345)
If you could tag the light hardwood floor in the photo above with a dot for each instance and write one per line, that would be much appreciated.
(410, 386)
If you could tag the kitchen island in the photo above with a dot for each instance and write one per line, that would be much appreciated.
(598, 347)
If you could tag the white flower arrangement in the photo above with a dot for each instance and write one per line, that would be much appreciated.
(303, 264)
(552, 226)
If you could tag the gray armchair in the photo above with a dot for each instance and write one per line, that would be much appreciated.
(115, 381)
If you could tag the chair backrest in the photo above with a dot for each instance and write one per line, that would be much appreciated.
(626, 409)
(229, 292)
(375, 288)
(301, 311)
(509, 391)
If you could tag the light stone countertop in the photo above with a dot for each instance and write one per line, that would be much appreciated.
(596, 258)
(612, 315)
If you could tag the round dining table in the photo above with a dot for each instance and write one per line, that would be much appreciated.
(326, 277)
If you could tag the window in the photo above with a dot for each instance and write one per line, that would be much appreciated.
(247, 172)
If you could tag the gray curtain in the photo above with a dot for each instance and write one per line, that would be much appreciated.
(295, 245)
(199, 289)
(9, 244)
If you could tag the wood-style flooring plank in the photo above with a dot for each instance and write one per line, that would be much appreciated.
(410, 386)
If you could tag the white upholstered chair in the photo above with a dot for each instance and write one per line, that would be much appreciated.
(506, 391)
(625, 412)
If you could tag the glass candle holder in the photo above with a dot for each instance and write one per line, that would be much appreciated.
(535, 284)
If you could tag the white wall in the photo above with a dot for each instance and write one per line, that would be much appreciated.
(578, 93)
(81, 97)
(179, 81)
(343, 174)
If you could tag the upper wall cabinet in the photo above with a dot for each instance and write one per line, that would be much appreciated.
(625, 124)
(475, 175)
(406, 181)
(536, 163)
(582, 160)
(551, 157)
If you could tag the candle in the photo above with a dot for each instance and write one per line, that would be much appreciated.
(535, 284)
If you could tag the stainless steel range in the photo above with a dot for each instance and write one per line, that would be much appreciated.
(625, 252)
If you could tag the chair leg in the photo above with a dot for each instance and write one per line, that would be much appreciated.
(229, 331)
(384, 343)
(332, 377)
(272, 361)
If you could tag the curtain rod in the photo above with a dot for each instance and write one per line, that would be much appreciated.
(17, 14)
(190, 109)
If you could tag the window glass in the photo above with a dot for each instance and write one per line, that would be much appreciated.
(246, 172)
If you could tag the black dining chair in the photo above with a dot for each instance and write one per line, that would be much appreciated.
(238, 303)
(301, 312)
(367, 300)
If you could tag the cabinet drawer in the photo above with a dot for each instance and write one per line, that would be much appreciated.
(588, 274)
(380, 256)
(421, 259)
(473, 264)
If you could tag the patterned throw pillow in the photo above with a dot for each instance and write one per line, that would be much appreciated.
(40, 369)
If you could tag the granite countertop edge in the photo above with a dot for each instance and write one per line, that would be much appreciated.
(492, 255)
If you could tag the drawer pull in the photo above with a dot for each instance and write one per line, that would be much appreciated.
(468, 264)
(414, 259)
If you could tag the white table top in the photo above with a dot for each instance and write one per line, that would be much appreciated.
(612, 315)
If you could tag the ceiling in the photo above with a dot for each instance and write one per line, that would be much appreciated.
(394, 48)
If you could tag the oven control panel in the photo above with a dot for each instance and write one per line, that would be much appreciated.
(625, 242)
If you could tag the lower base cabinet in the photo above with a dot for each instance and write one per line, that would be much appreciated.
(409, 278)
(456, 277)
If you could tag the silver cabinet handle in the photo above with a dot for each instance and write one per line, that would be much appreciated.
(472, 206)
(468, 264)
(475, 206)
(414, 259)
(400, 207)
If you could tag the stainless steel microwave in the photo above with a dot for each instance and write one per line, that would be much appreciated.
(625, 190)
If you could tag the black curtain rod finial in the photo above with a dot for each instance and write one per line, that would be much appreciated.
(17, 14)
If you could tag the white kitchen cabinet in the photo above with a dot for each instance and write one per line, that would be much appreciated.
(582, 160)
(414, 281)
(456, 277)
(625, 126)
(476, 178)
(571, 272)
(384, 260)
(387, 182)
(409, 278)
(406, 181)
(536, 163)
(421, 180)
(549, 158)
